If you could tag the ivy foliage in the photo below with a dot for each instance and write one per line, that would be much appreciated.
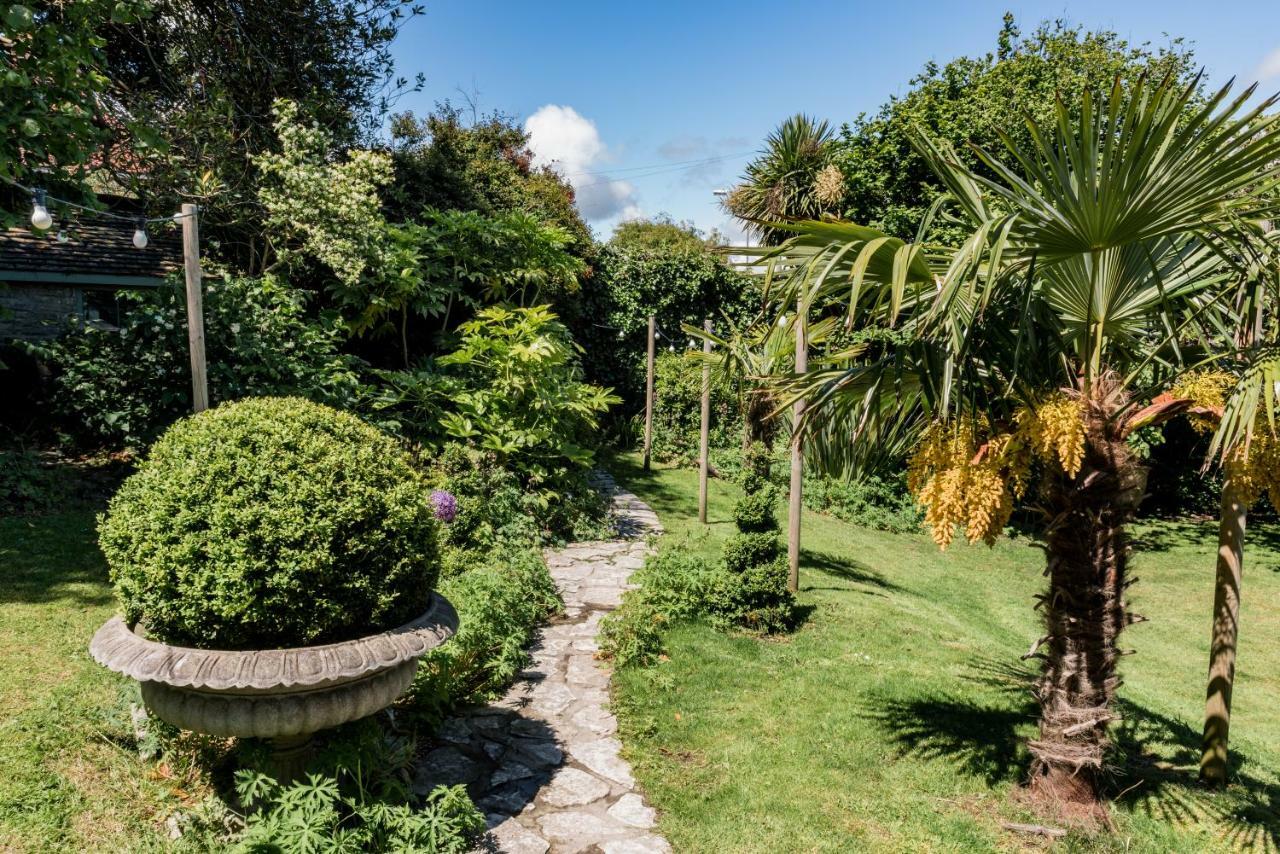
(888, 185)
(677, 411)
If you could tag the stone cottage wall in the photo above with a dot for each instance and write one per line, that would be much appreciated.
(35, 312)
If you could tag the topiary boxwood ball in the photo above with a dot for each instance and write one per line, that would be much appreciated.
(271, 522)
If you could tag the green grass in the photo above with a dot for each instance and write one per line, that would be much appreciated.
(70, 778)
(894, 719)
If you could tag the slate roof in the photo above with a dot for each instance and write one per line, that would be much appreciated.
(97, 253)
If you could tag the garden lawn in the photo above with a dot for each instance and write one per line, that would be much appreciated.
(70, 777)
(894, 719)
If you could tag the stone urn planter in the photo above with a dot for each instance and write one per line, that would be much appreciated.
(284, 695)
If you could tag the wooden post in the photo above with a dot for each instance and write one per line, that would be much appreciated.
(1214, 764)
(704, 437)
(797, 459)
(195, 307)
(648, 395)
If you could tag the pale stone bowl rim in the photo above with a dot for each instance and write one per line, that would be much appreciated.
(118, 647)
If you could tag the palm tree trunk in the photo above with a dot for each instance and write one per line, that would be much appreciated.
(1222, 649)
(1084, 611)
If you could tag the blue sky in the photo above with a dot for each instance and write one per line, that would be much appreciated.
(650, 107)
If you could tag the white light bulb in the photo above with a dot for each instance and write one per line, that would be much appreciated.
(782, 321)
(672, 348)
(62, 235)
(40, 217)
(140, 238)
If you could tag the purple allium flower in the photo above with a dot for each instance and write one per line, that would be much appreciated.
(446, 506)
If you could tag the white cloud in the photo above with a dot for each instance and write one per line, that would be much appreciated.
(1269, 67)
(569, 143)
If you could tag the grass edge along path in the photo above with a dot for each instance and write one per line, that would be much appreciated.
(894, 719)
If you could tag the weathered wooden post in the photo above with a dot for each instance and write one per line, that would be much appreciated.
(648, 395)
(195, 307)
(704, 436)
(797, 457)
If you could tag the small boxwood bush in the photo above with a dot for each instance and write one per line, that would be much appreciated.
(271, 522)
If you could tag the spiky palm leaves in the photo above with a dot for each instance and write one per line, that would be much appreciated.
(792, 179)
(1099, 260)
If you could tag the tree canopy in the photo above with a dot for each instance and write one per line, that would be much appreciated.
(888, 184)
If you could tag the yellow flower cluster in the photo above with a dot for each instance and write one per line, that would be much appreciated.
(961, 485)
(967, 478)
(1259, 471)
(1055, 431)
(1208, 389)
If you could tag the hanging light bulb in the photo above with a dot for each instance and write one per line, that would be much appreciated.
(62, 232)
(140, 235)
(40, 216)
(672, 348)
(782, 321)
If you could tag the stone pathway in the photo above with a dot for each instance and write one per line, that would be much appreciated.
(543, 762)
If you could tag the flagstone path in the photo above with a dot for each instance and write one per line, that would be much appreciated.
(543, 762)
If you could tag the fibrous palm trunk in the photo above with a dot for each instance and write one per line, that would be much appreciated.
(1084, 608)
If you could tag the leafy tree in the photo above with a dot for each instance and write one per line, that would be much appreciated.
(53, 61)
(793, 179)
(204, 75)
(1120, 232)
(888, 183)
(486, 166)
(660, 234)
(610, 321)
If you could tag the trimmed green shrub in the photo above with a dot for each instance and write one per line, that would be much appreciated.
(747, 549)
(759, 600)
(755, 594)
(754, 511)
(499, 602)
(271, 522)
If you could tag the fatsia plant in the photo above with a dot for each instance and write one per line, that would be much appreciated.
(1094, 265)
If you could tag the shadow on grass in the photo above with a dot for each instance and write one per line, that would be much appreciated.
(52, 558)
(1162, 535)
(1157, 775)
(1154, 761)
(980, 738)
(844, 568)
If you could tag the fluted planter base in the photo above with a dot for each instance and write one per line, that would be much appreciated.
(281, 694)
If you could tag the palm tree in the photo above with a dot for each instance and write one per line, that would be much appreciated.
(792, 179)
(1096, 262)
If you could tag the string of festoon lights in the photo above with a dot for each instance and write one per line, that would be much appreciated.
(42, 219)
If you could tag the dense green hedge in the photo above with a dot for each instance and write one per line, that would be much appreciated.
(271, 522)
(122, 386)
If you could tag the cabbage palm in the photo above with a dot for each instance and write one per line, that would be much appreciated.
(793, 178)
(1097, 268)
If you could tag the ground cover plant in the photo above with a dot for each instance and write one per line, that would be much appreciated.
(895, 718)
